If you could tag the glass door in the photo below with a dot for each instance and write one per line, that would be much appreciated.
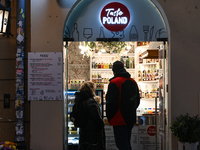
(161, 100)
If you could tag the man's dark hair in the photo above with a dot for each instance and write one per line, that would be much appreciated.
(117, 66)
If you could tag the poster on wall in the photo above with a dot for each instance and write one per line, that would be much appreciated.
(45, 76)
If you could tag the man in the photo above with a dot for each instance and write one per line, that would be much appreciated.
(122, 100)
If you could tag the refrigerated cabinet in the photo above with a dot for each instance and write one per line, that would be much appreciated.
(73, 132)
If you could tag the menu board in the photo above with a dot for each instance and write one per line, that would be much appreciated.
(45, 76)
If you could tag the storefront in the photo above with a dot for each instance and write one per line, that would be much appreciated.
(96, 33)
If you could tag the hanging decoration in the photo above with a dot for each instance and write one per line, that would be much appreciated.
(89, 48)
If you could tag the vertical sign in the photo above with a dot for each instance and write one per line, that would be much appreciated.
(45, 76)
(19, 92)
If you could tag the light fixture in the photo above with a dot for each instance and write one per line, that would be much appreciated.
(4, 15)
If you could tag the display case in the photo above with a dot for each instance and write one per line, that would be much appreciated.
(73, 132)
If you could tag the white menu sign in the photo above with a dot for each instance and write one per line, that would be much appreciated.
(45, 76)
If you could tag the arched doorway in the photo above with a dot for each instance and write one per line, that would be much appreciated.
(146, 29)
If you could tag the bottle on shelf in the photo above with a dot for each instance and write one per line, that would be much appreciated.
(102, 65)
(156, 74)
(139, 75)
(131, 63)
(96, 65)
(99, 65)
(96, 78)
(124, 60)
(148, 74)
(140, 58)
(140, 91)
(144, 75)
(105, 67)
(93, 63)
(127, 62)
(153, 73)
(110, 65)
(153, 91)
(99, 77)
(150, 95)
(146, 92)
(143, 95)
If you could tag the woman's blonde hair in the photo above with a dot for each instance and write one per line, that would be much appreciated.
(88, 87)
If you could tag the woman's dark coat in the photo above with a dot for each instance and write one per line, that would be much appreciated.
(93, 131)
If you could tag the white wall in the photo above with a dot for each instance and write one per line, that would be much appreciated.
(184, 28)
(47, 21)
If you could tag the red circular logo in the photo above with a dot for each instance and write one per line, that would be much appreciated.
(115, 16)
(151, 130)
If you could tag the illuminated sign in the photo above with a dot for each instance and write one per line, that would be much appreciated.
(115, 16)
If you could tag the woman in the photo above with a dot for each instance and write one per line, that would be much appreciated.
(92, 132)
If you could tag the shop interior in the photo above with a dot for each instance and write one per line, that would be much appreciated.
(92, 61)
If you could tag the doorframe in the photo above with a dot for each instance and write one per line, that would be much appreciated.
(160, 9)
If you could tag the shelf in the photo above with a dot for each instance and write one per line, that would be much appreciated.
(101, 69)
(109, 70)
(149, 63)
(73, 135)
(70, 105)
(147, 99)
(148, 81)
(112, 55)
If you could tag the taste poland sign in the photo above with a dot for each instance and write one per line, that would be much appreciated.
(115, 16)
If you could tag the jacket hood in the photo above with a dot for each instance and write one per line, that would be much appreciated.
(121, 73)
(83, 95)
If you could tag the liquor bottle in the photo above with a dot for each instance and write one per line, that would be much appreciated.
(131, 63)
(102, 65)
(143, 95)
(96, 78)
(140, 91)
(124, 60)
(99, 77)
(96, 65)
(110, 65)
(127, 62)
(105, 67)
(146, 92)
(153, 73)
(139, 75)
(93, 63)
(156, 74)
(150, 74)
(140, 59)
(150, 95)
(99, 66)
(144, 75)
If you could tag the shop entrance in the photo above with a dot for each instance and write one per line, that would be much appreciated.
(144, 51)
(147, 64)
